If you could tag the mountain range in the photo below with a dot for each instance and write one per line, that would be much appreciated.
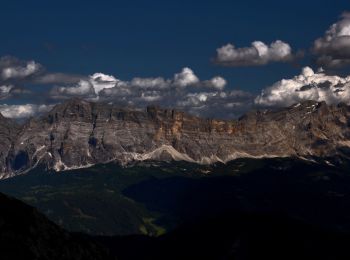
(273, 183)
(78, 134)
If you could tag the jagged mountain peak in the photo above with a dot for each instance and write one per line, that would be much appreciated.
(2, 116)
(73, 107)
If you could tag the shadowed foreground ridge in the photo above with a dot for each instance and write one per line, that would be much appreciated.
(27, 234)
(240, 237)
(79, 134)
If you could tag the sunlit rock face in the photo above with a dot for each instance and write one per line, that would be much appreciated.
(79, 134)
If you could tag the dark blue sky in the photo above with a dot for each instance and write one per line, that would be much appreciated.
(158, 38)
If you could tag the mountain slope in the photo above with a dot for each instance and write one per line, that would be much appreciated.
(27, 234)
(79, 134)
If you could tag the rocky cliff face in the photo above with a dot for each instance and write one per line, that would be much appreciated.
(79, 134)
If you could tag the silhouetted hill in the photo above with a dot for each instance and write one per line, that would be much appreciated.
(27, 234)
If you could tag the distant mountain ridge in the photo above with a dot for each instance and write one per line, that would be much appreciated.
(78, 134)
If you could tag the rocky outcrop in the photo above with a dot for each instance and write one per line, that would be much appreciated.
(78, 134)
(8, 133)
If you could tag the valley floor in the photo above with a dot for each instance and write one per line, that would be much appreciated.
(179, 209)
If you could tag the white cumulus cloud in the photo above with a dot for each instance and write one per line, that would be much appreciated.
(105, 86)
(84, 88)
(185, 78)
(23, 111)
(183, 91)
(101, 81)
(306, 86)
(258, 53)
(20, 71)
(217, 82)
(150, 83)
(333, 49)
(5, 90)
